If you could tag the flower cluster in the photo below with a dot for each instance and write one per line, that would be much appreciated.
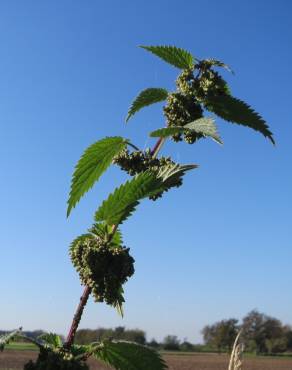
(180, 110)
(103, 267)
(185, 105)
(139, 161)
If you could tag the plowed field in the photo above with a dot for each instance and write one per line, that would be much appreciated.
(15, 359)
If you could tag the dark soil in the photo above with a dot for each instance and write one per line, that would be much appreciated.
(14, 360)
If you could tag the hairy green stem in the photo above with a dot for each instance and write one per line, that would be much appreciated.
(87, 289)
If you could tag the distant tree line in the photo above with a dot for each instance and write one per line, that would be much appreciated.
(85, 336)
(262, 334)
(170, 342)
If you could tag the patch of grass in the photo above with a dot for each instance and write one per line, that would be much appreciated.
(21, 346)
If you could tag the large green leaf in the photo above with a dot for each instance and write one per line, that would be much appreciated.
(123, 201)
(203, 126)
(123, 355)
(145, 98)
(6, 338)
(178, 57)
(93, 163)
(234, 110)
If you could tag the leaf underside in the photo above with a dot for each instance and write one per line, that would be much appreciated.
(177, 57)
(170, 174)
(145, 98)
(234, 110)
(93, 163)
(204, 126)
(122, 355)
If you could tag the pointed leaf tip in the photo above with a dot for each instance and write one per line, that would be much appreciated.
(146, 97)
(235, 110)
(177, 57)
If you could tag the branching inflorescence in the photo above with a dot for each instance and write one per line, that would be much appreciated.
(103, 263)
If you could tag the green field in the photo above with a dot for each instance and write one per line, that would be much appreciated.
(22, 346)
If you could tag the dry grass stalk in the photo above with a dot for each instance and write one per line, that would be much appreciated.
(235, 362)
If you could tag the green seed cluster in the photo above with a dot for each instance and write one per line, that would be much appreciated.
(210, 83)
(102, 267)
(139, 161)
(184, 105)
(207, 83)
(185, 82)
(180, 110)
(60, 359)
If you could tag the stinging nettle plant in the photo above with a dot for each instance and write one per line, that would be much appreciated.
(103, 263)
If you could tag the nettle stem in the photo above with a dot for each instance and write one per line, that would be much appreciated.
(87, 290)
(77, 317)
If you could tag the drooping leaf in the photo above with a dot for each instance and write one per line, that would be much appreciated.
(145, 98)
(6, 338)
(234, 110)
(123, 201)
(204, 126)
(118, 305)
(52, 340)
(170, 174)
(178, 57)
(122, 355)
(93, 163)
(218, 63)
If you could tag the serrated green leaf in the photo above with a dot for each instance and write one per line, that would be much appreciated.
(234, 110)
(123, 201)
(104, 231)
(52, 340)
(146, 97)
(204, 126)
(178, 57)
(93, 163)
(122, 355)
(6, 338)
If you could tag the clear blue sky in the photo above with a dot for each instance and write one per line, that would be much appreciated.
(213, 249)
